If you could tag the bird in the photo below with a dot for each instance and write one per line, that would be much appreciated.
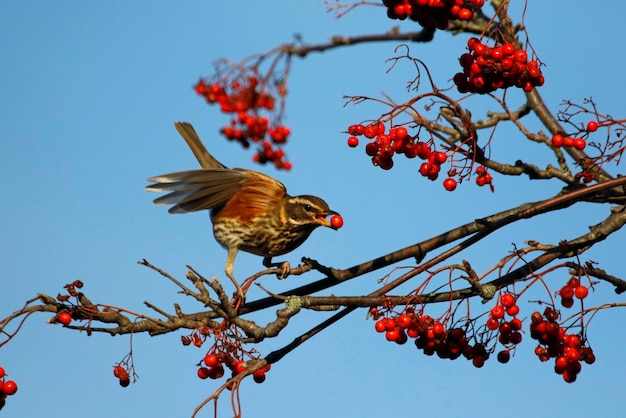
(250, 211)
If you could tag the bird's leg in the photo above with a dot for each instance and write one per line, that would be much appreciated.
(230, 262)
(284, 266)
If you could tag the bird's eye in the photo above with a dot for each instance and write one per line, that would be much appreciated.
(308, 207)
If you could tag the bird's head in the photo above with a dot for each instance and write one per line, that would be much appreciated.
(310, 211)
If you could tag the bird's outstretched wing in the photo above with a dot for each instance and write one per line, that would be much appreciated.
(237, 192)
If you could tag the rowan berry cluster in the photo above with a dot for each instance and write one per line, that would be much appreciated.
(214, 363)
(431, 336)
(558, 141)
(486, 69)
(572, 289)
(430, 13)
(246, 98)
(7, 387)
(121, 373)
(268, 153)
(483, 177)
(568, 350)
(384, 145)
(509, 331)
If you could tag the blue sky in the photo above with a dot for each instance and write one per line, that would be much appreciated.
(89, 94)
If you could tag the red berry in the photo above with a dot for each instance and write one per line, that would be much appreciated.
(516, 324)
(402, 338)
(592, 126)
(507, 299)
(438, 329)
(259, 376)
(471, 42)
(64, 317)
(512, 310)
(353, 141)
(336, 221)
(203, 372)
(400, 133)
(560, 364)
(1, 372)
(508, 49)
(557, 140)
(492, 324)
(211, 360)
(439, 157)
(478, 361)
(573, 355)
(521, 56)
(390, 324)
(573, 282)
(465, 14)
(568, 141)
(581, 292)
(423, 150)
(589, 357)
(380, 325)
(216, 372)
(574, 341)
(404, 321)
(392, 334)
(10, 387)
(580, 144)
(240, 366)
(425, 169)
(118, 371)
(497, 312)
(370, 132)
(504, 356)
(566, 292)
(449, 184)
(567, 302)
(569, 376)
(479, 48)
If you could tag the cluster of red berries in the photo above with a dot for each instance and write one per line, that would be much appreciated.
(509, 331)
(268, 153)
(432, 12)
(568, 350)
(432, 337)
(122, 374)
(214, 367)
(559, 141)
(572, 289)
(483, 177)
(486, 69)
(383, 146)
(7, 387)
(245, 98)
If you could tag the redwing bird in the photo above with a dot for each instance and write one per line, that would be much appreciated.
(250, 211)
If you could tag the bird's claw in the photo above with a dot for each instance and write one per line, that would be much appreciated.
(285, 268)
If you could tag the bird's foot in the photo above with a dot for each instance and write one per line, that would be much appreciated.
(285, 268)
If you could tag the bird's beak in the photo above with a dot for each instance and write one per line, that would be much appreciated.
(322, 218)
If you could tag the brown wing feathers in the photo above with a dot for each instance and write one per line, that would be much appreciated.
(195, 190)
